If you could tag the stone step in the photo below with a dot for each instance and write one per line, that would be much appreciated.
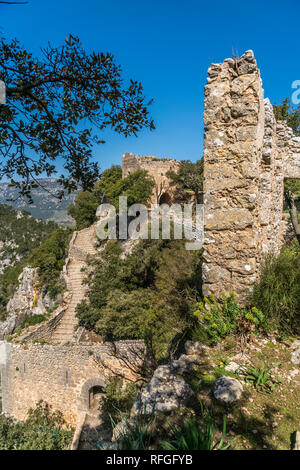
(84, 242)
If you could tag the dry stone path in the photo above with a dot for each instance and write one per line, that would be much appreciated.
(81, 246)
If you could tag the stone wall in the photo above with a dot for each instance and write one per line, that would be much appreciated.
(59, 375)
(157, 168)
(247, 155)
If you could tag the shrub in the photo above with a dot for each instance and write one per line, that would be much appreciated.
(138, 434)
(137, 186)
(30, 320)
(277, 293)
(150, 294)
(218, 319)
(118, 399)
(50, 257)
(84, 208)
(195, 435)
(43, 429)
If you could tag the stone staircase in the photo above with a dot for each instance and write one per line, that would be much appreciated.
(82, 245)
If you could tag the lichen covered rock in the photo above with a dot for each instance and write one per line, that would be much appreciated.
(228, 389)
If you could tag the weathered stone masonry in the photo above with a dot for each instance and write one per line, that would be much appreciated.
(60, 375)
(247, 155)
(157, 168)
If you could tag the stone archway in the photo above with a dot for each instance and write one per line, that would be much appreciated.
(89, 390)
(165, 198)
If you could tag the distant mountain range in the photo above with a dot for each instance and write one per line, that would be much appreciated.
(45, 206)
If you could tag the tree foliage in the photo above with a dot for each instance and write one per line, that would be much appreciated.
(50, 257)
(137, 187)
(84, 208)
(150, 294)
(43, 429)
(291, 114)
(49, 102)
(189, 177)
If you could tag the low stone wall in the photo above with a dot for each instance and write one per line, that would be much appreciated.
(60, 375)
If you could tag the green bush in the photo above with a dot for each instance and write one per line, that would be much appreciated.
(30, 320)
(84, 208)
(49, 258)
(277, 293)
(137, 186)
(218, 319)
(118, 399)
(43, 429)
(137, 434)
(150, 294)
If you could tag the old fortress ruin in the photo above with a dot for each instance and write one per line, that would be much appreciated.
(247, 156)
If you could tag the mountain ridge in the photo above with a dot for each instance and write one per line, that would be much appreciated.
(45, 205)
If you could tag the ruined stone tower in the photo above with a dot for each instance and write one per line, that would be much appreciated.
(157, 168)
(247, 155)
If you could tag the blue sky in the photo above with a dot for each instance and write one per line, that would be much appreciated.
(168, 46)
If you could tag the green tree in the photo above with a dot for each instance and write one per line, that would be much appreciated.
(149, 294)
(84, 208)
(189, 177)
(137, 187)
(291, 114)
(50, 100)
(50, 257)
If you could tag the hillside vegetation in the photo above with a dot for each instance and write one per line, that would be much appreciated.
(26, 241)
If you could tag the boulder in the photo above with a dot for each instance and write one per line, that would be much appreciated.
(228, 390)
(195, 348)
(164, 393)
(295, 356)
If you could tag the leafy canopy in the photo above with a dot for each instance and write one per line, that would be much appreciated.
(291, 114)
(189, 177)
(50, 100)
(137, 187)
(149, 294)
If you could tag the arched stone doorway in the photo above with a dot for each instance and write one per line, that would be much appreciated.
(95, 397)
(91, 393)
(165, 198)
(94, 427)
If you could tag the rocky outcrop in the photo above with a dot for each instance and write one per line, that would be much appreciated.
(26, 301)
(164, 393)
(167, 390)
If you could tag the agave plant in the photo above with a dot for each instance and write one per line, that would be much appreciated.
(194, 435)
(137, 434)
(261, 377)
